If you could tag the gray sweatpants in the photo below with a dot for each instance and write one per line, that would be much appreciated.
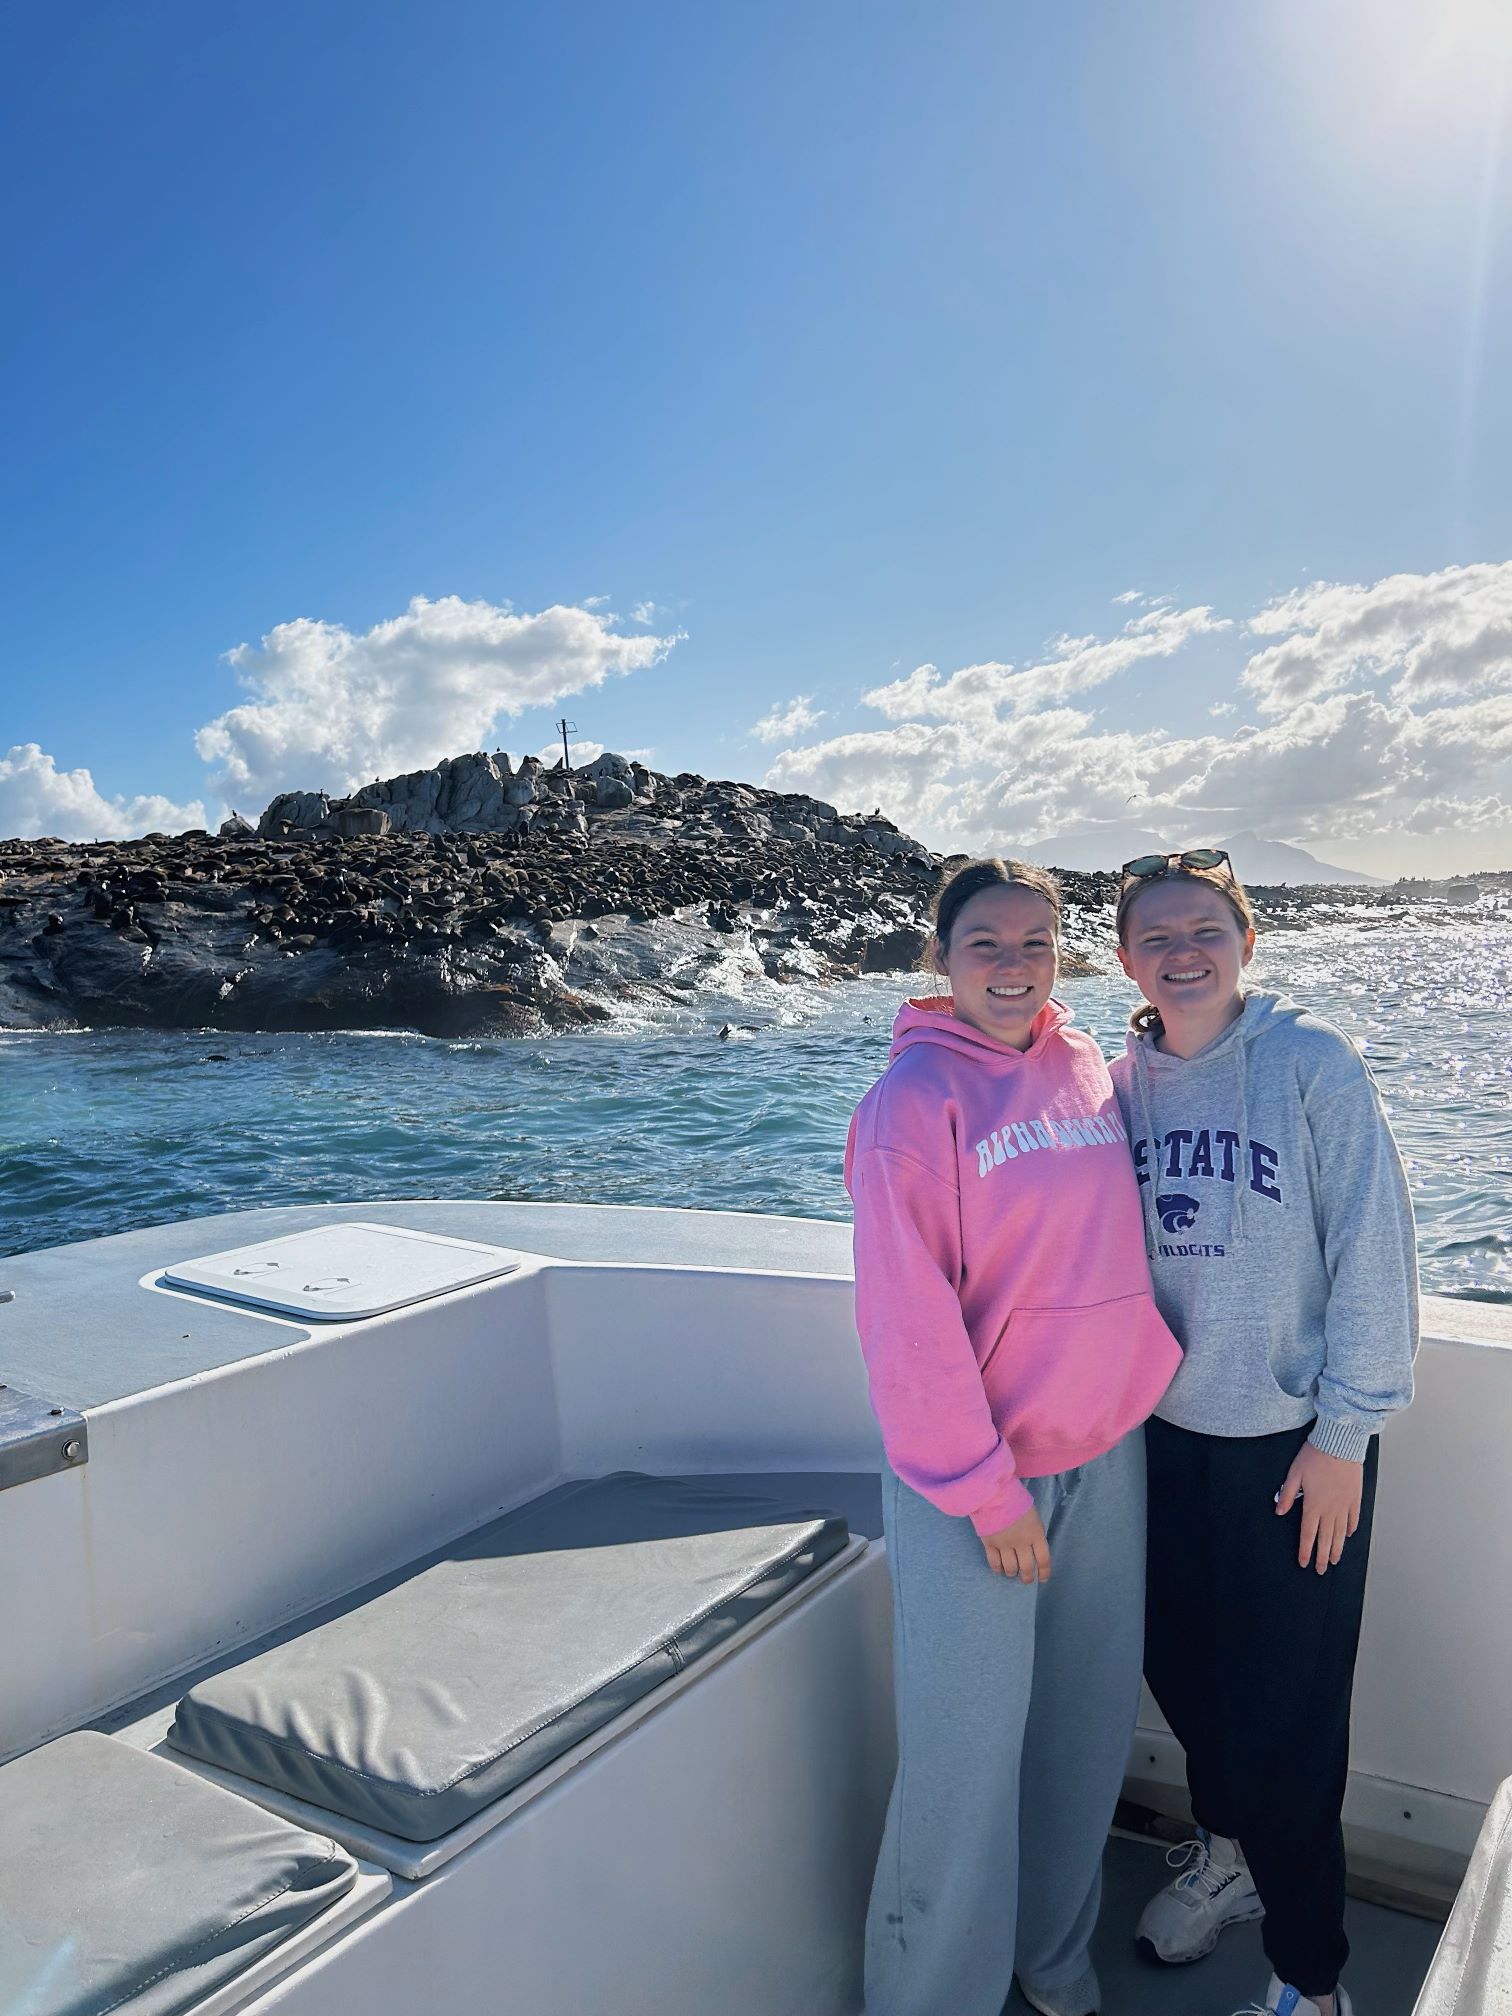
(1016, 1708)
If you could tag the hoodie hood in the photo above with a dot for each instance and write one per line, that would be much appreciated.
(932, 1019)
(1261, 1015)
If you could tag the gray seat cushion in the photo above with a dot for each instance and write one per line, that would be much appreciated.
(127, 1883)
(415, 1710)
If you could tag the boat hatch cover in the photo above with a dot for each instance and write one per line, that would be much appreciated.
(341, 1273)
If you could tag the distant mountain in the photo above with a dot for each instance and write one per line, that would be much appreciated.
(1257, 860)
(1089, 848)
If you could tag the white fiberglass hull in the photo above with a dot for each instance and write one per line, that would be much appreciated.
(244, 1468)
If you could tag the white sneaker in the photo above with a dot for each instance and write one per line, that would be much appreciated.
(1281, 2000)
(1213, 1891)
(1081, 1997)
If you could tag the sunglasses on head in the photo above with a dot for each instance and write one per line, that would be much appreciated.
(1144, 865)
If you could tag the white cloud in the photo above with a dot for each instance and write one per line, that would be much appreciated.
(585, 752)
(1130, 595)
(36, 797)
(958, 787)
(978, 758)
(1346, 749)
(1470, 736)
(979, 693)
(332, 709)
(921, 774)
(1348, 764)
(1437, 635)
(1459, 815)
(796, 717)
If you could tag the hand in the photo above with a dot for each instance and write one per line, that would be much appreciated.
(1020, 1549)
(1330, 1489)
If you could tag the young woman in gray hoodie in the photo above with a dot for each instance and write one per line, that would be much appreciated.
(1280, 1236)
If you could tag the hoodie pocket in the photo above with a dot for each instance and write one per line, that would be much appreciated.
(1291, 1369)
(1069, 1380)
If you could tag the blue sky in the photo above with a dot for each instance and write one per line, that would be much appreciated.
(823, 342)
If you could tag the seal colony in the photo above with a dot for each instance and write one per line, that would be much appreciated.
(471, 899)
(476, 898)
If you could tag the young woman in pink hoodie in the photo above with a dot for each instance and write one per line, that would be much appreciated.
(1012, 1345)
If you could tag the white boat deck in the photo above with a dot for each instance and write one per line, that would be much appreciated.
(247, 1473)
(76, 1334)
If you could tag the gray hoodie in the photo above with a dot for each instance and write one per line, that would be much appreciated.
(1279, 1228)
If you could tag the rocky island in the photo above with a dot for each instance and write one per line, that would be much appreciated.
(482, 898)
(473, 898)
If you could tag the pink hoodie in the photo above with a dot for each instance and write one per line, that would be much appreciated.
(1002, 1290)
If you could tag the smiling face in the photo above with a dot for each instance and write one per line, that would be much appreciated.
(1001, 960)
(1185, 948)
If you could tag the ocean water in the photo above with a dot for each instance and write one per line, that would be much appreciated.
(104, 1131)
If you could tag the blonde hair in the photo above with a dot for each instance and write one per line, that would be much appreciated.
(1146, 1018)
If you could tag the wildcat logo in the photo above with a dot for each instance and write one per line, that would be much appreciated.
(1177, 1213)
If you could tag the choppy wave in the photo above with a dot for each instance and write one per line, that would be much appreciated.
(105, 1131)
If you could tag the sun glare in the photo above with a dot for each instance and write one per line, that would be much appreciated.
(1405, 93)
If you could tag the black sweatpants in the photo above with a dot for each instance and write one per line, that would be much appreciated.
(1251, 1658)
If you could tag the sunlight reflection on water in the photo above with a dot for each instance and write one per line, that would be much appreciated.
(104, 1131)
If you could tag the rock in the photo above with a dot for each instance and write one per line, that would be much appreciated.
(463, 794)
(563, 816)
(611, 792)
(357, 821)
(302, 810)
(236, 828)
(895, 949)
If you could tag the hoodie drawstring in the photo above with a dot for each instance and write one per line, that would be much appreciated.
(1241, 1184)
(1146, 1120)
(1139, 1052)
